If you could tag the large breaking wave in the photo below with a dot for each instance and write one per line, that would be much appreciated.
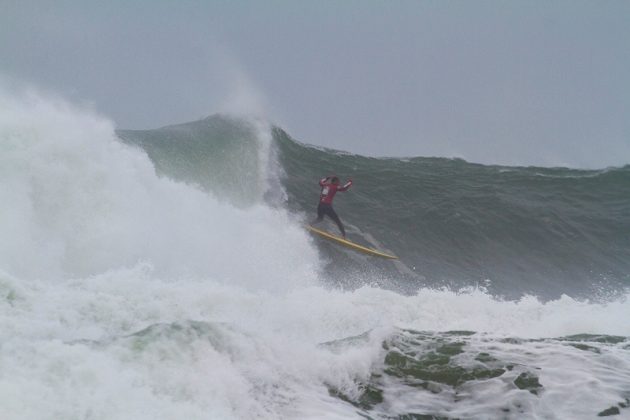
(168, 276)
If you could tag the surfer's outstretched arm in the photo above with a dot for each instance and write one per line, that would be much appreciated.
(345, 186)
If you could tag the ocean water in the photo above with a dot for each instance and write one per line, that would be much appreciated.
(166, 274)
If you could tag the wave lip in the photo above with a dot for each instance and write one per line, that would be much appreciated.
(232, 158)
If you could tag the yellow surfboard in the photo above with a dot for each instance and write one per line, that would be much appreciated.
(350, 244)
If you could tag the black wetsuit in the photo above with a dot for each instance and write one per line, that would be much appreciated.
(327, 210)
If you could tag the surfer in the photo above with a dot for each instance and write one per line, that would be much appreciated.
(330, 186)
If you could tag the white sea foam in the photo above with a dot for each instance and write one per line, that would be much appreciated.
(81, 203)
(96, 249)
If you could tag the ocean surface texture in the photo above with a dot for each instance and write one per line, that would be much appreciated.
(166, 274)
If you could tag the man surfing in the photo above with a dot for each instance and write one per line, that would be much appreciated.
(330, 186)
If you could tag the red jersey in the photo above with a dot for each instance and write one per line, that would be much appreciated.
(329, 190)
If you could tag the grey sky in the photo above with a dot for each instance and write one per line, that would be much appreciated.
(521, 82)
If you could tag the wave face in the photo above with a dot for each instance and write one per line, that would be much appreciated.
(168, 275)
(512, 230)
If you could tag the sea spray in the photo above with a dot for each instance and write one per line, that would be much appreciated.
(81, 202)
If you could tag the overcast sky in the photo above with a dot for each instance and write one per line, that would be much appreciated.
(509, 82)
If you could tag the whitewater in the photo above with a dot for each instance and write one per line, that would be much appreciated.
(128, 293)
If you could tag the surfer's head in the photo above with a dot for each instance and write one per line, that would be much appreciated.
(334, 180)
